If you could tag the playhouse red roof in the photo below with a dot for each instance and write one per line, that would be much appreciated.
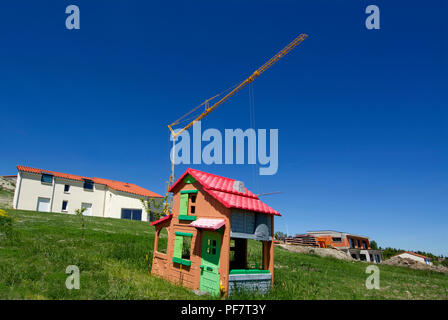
(221, 189)
(167, 217)
(116, 185)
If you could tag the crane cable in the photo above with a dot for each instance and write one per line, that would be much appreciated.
(182, 120)
(173, 154)
(205, 104)
(252, 125)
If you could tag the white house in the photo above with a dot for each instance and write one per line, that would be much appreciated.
(50, 191)
(415, 256)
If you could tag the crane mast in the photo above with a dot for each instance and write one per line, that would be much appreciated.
(208, 109)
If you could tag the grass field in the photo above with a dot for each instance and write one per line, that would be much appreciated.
(113, 266)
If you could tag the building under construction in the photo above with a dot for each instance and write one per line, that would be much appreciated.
(356, 246)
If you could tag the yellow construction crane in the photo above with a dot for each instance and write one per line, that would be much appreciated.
(208, 109)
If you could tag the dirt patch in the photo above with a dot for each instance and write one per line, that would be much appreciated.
(405, 262)
(324, 252)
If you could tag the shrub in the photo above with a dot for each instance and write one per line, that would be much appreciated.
(80, 214)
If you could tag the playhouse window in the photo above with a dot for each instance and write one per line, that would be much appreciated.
(192, 201)
(162, 245)
(182, 248)
(186, 248)
(254, 255)
(187, 202)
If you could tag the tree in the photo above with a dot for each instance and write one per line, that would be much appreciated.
(152, 208)
(80, 214)
(373, 245)
(279, 235)
(445, 262)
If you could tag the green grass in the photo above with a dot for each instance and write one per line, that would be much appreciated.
(113, 266)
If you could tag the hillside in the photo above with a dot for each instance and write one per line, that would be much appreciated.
(7, 188)
(113, 266)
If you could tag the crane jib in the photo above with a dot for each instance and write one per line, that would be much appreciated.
(208, 110)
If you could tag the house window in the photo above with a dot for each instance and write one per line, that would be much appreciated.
(182, 248)
(87, 208)
(43, 204)
(337, 239)
(364, 244)
(88, 185)
(131, 214)
(46, 178)
(64, 205)
(351, 242)
(66, 188)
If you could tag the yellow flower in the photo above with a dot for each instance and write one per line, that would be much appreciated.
(3, 213)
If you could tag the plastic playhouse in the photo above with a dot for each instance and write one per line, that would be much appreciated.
(212, 219)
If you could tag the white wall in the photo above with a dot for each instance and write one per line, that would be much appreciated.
(29, 189)
(16, 191)
(105, 202)
(117, 200)
(77, 195)
(413, 257)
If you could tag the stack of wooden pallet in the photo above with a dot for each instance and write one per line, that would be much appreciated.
(303, 240)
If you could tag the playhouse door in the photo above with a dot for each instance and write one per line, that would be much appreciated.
(211, 250)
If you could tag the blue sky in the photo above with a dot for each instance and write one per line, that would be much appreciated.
(361, 113)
